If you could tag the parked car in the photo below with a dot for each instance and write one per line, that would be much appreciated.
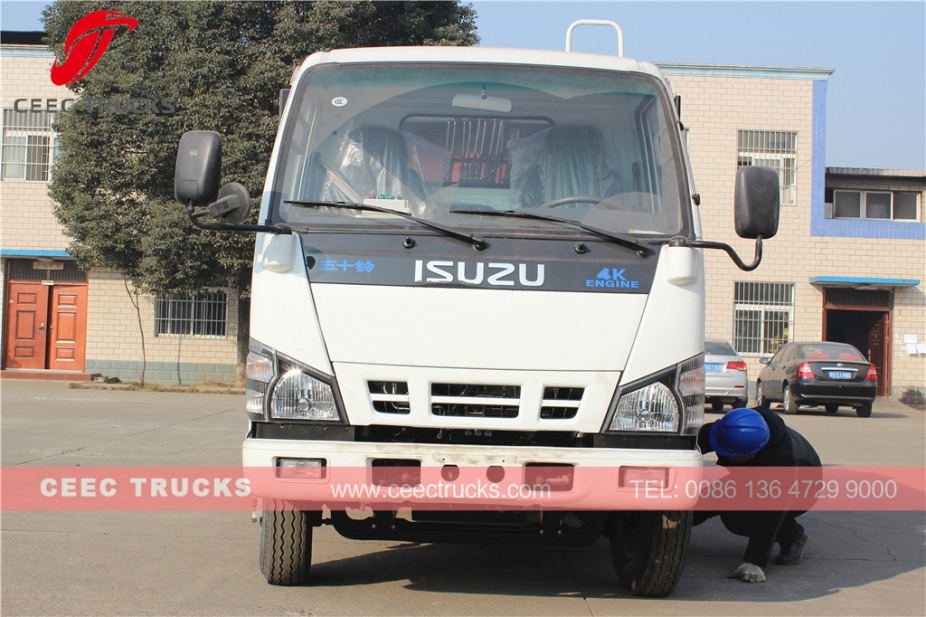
(818, 373)
(725, 375)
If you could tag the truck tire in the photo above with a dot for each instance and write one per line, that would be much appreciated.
(286, 546)
(649, 549)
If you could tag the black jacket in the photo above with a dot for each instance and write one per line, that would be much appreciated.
(785, 448)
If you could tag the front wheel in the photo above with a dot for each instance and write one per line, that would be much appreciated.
(286, 546)
(864, 411)
(649, 549)
(788, 401)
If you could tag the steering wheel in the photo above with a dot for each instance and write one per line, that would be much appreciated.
(572, 199)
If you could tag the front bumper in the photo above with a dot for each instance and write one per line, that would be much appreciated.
(466, 477)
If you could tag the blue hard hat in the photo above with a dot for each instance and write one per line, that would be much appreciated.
(739, 433)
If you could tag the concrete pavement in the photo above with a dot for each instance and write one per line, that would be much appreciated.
(205, 563)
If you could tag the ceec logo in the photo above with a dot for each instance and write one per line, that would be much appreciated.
(86, 43)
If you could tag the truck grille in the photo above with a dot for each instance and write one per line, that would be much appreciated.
(475, 400)
(389, 396)
(560, 403)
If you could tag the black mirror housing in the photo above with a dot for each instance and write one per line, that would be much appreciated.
(756, 202)
(198, 167)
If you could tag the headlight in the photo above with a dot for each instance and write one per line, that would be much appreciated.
(652, 408)
(300, 396)
(287, 389)
(259, 376)
(671, 401)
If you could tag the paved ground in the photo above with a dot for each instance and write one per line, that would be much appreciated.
(205, 563)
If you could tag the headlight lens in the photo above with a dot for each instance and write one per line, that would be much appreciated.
(691, 387)
(652, 408)
(299, 396)
(259, 376)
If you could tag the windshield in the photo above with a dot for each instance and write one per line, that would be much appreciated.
(447, 142)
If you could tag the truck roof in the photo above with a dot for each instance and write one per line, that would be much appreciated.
(479, 55)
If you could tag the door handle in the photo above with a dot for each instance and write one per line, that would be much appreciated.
(41, 326)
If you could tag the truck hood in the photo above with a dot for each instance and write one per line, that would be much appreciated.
(477, 328)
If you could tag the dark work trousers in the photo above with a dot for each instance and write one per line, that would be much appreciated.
(763, 529)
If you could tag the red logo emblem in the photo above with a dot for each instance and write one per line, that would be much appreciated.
(85, 44)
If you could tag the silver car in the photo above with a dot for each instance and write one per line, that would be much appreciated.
(725, 375)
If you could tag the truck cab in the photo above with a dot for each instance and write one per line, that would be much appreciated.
(476, 265)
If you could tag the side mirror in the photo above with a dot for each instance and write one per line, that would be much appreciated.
(756, 202)
(198, 166)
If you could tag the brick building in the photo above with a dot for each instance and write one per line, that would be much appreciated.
(832, 272)
(56, 317)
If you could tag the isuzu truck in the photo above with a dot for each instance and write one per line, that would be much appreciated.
(479, 266)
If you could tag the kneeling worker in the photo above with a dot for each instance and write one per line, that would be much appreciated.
(759, 438)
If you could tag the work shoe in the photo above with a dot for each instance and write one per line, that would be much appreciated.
(793, 554)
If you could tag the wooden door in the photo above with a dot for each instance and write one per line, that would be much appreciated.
(27, 316)
(877, 354)
(67, 334)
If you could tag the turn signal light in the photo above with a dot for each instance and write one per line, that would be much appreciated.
(736, 366)
(804, 371)
(872, 372)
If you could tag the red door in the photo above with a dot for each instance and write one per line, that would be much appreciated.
(46, 326)
(67, 327)
(877, 356)
(27, 327)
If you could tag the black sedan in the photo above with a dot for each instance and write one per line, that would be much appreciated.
(818, 373)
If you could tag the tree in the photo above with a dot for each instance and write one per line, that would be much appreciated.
(222, 65)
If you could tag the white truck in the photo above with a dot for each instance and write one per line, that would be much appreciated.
(475, 261)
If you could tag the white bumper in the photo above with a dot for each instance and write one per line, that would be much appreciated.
(600, 479)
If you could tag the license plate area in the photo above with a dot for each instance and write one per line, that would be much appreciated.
(713, 368)
(839, 374)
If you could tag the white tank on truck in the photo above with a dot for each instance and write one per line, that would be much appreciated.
(477, 303)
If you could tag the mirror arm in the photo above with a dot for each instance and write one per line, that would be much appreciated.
(705, 244)
(280, 228)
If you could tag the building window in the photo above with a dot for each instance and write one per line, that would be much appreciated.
(763, 317)
(775, 149)
(875, 205)
(203, 314)
(28, 145)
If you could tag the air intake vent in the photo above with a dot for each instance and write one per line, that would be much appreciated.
(474, 411)
(560, 403)
(475, 400)
(389, 396)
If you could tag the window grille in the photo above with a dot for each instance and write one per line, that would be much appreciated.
(763, 317)
(28, 145)
(203, 314)
(775, 149)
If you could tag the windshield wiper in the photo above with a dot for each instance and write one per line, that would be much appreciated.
(477, 241)
(641, 249)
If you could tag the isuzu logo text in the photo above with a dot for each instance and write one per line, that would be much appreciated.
(85, 44)
(470, 273)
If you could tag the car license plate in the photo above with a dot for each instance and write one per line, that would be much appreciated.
(713, 368)
(840, 375)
